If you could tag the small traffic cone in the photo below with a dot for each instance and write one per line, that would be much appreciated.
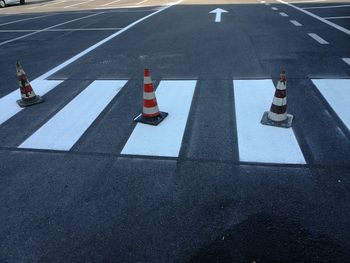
(150, 113)
(277, 116)
(27, 93)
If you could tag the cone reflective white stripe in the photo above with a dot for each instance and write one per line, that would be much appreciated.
(150, 111)
(277, 116)
(279, 101)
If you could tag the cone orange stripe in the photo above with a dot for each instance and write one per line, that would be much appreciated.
(148, 88)
(150, 103)
(151, 115)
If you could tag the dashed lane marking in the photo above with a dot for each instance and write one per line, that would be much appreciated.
(296, 23)
(283, 14)
(166, 138)
(337, 94)
(274, 8)
(346, 60)
(318, 38)
(63, 130)
(257, 142)
(340, 28)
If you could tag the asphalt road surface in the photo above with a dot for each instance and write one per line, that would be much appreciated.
(80, 181)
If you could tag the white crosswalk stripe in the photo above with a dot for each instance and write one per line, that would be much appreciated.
(260, 143)
(63, 130)
(8, 104)
(174, 97)
(337, 94)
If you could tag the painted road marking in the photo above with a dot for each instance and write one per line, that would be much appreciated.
(62, 30)
(45, 29)
(64, 129)
(346, 60)
(283, 14)
(340, 28)
(218, 12)
(8, 104)
(174, 97)
(103, 41)
(307, 1)
(85, 2)
(337, 94)
(337, 17)
(257, 142)
(296, 23)
(144, 1)
(318, 38)
(54, 3)
(111, 3)
(24, 19)
(326, 7)
(274, 8)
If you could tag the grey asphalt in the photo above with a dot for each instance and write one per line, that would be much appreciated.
(92, 204)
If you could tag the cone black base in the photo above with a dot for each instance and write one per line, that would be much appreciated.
(151, 120)
(25, 103)
(283, 124)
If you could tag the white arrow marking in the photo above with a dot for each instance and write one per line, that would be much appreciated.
(218, 12)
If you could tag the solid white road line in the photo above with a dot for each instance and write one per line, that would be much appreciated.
(45, 29)
(103, 41)
(21, 20)
(306, 1)
(54, 3)
(337, 17)
(346, 60)
(318, 38)
(296, 23)
(326, 7)
(257, 142)
(340, 28)
(64, 129)
(283, 14)
(85, 2)
(8, 104)
(174, 97)
(274, 8)
(111, 3)
(61, 30)
(337, 94)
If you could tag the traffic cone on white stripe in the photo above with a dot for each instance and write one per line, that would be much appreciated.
(28, 96)
(150, 113)
(277, 116)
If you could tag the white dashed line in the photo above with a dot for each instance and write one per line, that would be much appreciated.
(318, 38)
(326, 7)
(346, 60)
(283, 14)
(296, 23)
(340, 28)
(274, 8)
(85, 2)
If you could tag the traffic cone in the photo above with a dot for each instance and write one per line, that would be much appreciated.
(277, 116)
(28, 96)
(150, 113)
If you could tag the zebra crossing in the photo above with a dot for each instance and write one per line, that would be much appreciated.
(256, 143)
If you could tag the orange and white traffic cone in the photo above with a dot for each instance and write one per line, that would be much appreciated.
(27, 93)
(150, 113)
(277, 116)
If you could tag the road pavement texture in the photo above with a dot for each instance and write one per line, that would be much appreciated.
(81, 182)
